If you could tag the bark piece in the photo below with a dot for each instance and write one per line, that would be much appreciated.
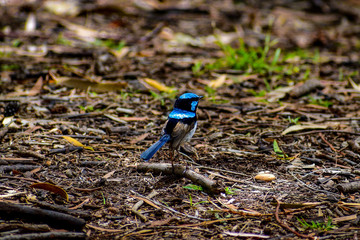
(309, 86)
(349, 187)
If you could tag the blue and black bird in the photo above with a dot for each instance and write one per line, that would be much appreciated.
(179, 127)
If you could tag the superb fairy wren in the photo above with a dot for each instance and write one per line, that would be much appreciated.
(179, 127)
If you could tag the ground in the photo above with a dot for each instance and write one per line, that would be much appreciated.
(86, 90)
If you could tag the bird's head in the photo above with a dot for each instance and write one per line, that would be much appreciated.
(188, 102)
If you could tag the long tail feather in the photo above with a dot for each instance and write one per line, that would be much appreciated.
(155, 147)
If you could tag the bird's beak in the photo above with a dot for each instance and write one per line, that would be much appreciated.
(200, 97)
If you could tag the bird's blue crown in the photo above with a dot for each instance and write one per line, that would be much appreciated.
(189, 96)
(187, 102)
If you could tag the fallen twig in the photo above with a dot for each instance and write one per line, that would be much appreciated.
(164, 207)
(181, 171)
(25, 226)
(48, 235)
(52, 218)
(62, 209)
(21, 168)
(29, 153)
(285, 225)
(138, 205)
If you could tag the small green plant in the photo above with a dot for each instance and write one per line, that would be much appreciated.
(279, 152)
(163, 95)
(104, 199)
(341, 74)
(110, 44)
(16, 42)
(193, 187)
(320, 102)
(197, 69)
(260, 93)
(87, 108)
(191, 201)
(211, 93)
(9, 67)
(92, 94)
(250, 59)
(229, 191)
(125, 95)
(61, 40)
(293, 120)
(158, 97)
(306, 74)
(318, 226)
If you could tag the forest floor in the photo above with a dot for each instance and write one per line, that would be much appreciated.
(86, 86)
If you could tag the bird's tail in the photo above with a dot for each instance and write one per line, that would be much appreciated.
(155, 147)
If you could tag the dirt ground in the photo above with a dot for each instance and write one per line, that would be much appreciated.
(86, 86)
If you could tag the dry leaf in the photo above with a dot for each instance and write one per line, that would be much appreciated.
(51, 188)
(278, 94)
(121, 53)
(296, 128)
(354, 85)
(7, 121)
(139, 138)
(153, 84)
(30, 24)
(73, 141)
(109, 174)
(344, 218)
(36, 89)
(133, 119)
(77, 143)
(85, 84)
(214, 84)
(114, 118)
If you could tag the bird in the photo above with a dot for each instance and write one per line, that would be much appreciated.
(179, 127)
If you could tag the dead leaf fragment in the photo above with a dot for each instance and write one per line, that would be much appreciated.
(133, 119)
(139, 138)
(278, 93)
(76, 143)
(214, 84)
(154, 84)
(344, 218)
(36, 89)
(109, 174)
(85, 84)
(73, 141)
(51, 188)
(297, 128)
(62, 8)
(354, 85)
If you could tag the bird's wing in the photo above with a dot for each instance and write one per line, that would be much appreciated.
(179, 133)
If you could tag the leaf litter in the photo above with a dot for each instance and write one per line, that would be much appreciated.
(277, 132)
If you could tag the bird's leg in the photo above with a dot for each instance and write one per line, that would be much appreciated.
(172, 159)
